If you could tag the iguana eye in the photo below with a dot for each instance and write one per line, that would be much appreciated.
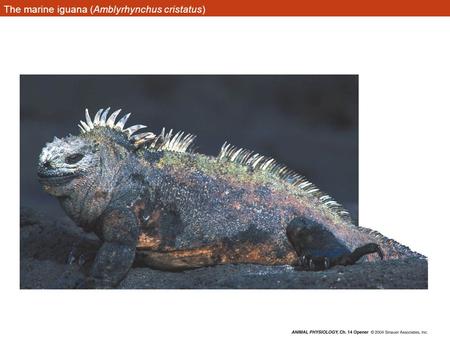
(74, 158)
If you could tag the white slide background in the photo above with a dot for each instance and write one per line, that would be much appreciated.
(404, 85)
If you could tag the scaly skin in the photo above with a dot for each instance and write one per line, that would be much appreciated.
(175, 210)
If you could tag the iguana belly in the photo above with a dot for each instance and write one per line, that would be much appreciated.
(223, 252)
(158, 247)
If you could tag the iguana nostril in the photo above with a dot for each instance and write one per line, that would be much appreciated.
(47, 164)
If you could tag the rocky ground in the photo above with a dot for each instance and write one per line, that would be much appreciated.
(48, 260)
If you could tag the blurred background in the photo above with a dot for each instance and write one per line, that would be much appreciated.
(309, 123)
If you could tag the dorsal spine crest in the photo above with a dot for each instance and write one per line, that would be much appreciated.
(259, 162)
(180, 142)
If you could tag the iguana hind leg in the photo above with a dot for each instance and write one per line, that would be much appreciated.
(318, 248)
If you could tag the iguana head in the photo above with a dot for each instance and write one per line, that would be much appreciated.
(72, 165)
(68, 164)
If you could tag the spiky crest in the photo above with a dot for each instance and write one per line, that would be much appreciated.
(256, 161)
(180, 142)
(164, 141)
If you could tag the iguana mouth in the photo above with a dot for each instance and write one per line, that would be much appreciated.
(56, 179)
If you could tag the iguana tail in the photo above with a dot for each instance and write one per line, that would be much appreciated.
(390, 248)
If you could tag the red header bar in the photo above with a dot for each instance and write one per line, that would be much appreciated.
(226, 8)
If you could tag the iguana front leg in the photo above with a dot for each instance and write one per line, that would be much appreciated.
(318, 248)
(119, 231)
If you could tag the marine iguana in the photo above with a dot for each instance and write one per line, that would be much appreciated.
(152, 199)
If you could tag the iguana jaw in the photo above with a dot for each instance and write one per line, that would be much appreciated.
(55, 179)
(58, 184)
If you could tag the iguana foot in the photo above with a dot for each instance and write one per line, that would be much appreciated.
(80, 255)
(318, 249)
(74, 257)
(93, 283)
(318, 263)
(310, 263)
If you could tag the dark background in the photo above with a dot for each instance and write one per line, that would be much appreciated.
(309, 123)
